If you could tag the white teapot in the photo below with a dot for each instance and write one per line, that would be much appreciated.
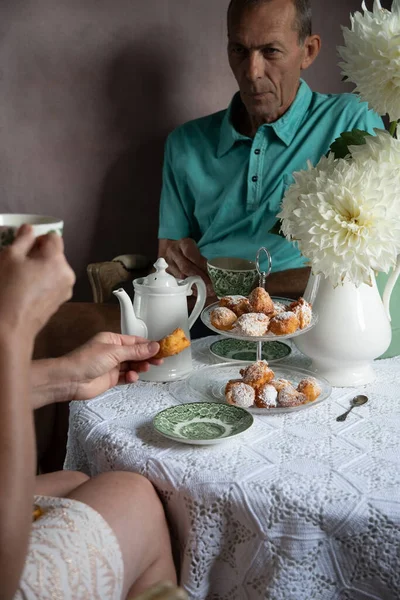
(158, 308)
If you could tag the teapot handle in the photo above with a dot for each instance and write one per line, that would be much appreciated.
(201, 298)
(391, 282)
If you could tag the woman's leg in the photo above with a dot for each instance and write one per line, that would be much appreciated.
(59, 484)
(130, 505)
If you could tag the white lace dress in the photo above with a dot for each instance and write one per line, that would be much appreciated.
(73, 554)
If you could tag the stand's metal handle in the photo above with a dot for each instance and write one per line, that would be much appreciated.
(262, 275)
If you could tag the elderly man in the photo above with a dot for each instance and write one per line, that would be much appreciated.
(225, 174)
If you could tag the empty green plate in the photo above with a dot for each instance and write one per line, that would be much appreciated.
(202, 422)
(232, 350)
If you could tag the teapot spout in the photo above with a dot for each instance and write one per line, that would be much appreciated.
(391, 282)
(130, 324)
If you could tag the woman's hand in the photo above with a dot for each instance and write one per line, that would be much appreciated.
(108, 359)
(103, 362)
(35, 279)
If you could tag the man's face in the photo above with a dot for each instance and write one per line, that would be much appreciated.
(266, 57)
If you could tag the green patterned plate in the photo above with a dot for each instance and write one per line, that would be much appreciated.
(232, 350)
(202, 422)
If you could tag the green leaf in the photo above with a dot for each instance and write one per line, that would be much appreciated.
(340, 147)
(276, 229)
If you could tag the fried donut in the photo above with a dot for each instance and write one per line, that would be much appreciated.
(222, 318)
(266, 396)
(261, 301)
(237, 304)
(252, 324)
(239, 393)
(279, 384)
(310, 388)
(172, 344)
(289, 397)
(302, 310)
(278, 308)
(257, 374)
(285, 322)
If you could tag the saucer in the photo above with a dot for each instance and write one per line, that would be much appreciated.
(202, 423)
(232, 350)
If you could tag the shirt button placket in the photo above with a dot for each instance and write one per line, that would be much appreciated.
(255, 169)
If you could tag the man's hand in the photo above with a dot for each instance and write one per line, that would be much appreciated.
(184, 260)
(103, 362)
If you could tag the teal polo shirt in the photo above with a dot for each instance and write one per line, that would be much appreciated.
(224, 189)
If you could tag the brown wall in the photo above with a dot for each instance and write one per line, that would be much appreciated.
(90, 89)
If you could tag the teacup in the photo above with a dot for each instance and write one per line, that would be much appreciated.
(9, 224)
(232, 276)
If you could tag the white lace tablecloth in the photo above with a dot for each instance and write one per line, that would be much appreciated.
(300, 507)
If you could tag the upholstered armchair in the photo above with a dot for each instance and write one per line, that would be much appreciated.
(107, 276)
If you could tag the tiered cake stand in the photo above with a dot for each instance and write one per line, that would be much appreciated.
(269, 337)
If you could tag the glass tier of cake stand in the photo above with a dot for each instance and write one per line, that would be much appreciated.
(269, 337)
(258, 340)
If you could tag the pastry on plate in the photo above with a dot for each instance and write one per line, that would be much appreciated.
(252, 324)
(261, 301)
(222, 318)
(257, 387)
(279, 384)
(239, 393)
(240, 305)
(278, 308)
(310, 387)
(289, 397)
(257, 374)
(266, 396)
(302, 310)
(284, 323)
(172, 344)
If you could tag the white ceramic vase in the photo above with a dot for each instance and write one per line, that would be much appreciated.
(353, 329)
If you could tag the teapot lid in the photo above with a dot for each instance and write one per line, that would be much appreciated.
(160, 278)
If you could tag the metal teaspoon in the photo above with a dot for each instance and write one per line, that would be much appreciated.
(357, 401)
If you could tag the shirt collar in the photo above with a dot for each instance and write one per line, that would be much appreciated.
(285, 128)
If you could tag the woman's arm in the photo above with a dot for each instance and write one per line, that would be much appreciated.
(49, 382)
(35, 280)
(17, 457)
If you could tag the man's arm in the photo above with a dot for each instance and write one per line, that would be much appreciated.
(177, 226)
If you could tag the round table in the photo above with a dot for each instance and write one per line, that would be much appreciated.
(299, 507)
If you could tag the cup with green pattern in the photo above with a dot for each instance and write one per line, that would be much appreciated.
(232, 276)
(41, 224)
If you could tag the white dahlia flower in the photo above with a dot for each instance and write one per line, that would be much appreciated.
(344, 216)
(371, 57)
(382, 147)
